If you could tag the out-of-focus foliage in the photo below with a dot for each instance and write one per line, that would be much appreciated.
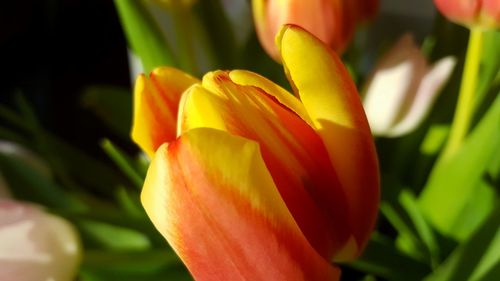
(439, 216)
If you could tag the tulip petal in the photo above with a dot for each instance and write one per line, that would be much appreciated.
(211, 196)
(460, 11)
(155, 106)
(248, 78)
(395, 81)
(36, 245)
(490, 13)
(331, 21)
(428, 91)
(330, 97)
(294, 153)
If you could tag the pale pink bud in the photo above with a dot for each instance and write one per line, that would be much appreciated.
(35, 245)
(402, 89)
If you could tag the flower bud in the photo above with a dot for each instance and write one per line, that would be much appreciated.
(36, 246)
(332, 21)
(402, 89)
(473, 13)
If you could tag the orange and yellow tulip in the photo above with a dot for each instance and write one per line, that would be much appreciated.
(471, 13)
(260, 184)
(332, 21)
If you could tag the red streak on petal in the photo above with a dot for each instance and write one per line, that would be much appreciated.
(221, 236)
(297, 160)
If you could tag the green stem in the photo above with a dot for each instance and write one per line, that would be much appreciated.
(466, 103)
(120, 160)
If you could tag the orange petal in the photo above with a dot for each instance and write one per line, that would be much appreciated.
(329, 20)
(323, 84)
(292, 150)
(248, 78)
(213, 199)
(155, 106)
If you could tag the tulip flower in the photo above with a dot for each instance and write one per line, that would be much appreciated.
(403, 88)
(36, 246)
(483, 14)
(261, 184)
(331, 21)
(156, 101)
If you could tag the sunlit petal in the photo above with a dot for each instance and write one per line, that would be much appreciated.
(330, 97)
(212, 197)
(156, 103)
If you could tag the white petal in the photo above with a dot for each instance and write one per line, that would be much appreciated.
(394, 81)
(427, 93)
(36, 246)
(385, 95)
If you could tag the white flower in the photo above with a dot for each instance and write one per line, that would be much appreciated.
(35, 245)
(403, 88)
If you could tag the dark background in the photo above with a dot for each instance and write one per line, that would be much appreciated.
(51, 51)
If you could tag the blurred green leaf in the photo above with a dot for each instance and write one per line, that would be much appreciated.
(407, 240)
(425, 232)
(434, 139)
(137, 261)
(382, 259)
(221, 37)
(480, 253)
(476, 210)
(130, 203)
(453, 180)
(28, 184)
(123, 162)
(73, 167)
(113, 105)
(83, 168)
(113, 237)
(490, 63)
(143, 34)
(151, 265)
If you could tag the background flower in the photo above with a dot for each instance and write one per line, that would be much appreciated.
(472, 13)
(36, 246)
(332, 21)
(402, 88)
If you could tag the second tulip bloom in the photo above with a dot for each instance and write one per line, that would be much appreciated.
(332, 21)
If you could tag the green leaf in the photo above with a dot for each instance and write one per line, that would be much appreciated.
(490, 63)
(425, 232)
(113, 237)
(83, 169)
(137, 261)
(434, 139)
(123, 162)
(73, 168)
(452, 183)
(408, 240)
(382, 259)
(113, 105)
(475, 257)
(150, 265)
(28, 184)
(223, 41)
(130, 203)
(143, 34)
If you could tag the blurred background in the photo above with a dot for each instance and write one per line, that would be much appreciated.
(54, 51)
(65, 93)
